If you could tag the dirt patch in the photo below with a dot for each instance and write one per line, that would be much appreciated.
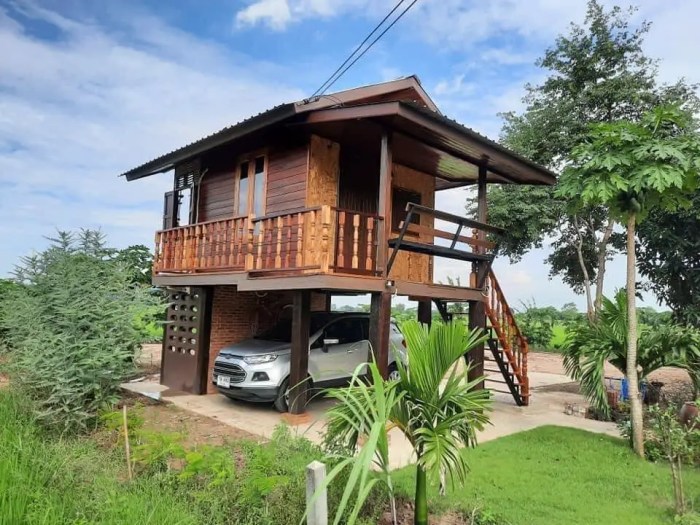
(194, 428)
(404, 516)
(567, 388)
(148, 360)
(552, 363)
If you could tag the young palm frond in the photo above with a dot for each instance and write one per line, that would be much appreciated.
(589, 347)
(433, 403)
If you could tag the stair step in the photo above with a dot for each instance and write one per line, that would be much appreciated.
(496, 371)
(501, 391)
(497, 381)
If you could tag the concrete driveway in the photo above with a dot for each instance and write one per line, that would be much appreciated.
(550, 395)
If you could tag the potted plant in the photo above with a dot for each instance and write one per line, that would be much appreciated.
(689, 413)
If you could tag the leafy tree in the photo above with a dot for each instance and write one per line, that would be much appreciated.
(678, 443)
(569, 314)
(536, 323)
(139, 259)
(437, 416)
(650, 317)
(6, 288)
(70, 327)
(633, 168)
(597, 73)
(669, 257)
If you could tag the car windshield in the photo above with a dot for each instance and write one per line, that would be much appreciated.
(282, 331)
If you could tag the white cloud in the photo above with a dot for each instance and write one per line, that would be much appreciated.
(274, 13)
(78, 110)
(278, 14)
(454, 86)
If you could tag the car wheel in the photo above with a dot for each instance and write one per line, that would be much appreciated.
(394, 372)
(281, 404)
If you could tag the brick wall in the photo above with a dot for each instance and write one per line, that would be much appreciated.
(236, 316)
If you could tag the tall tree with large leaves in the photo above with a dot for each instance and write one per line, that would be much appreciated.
(598, 72)
(632, 169)
(668, 255)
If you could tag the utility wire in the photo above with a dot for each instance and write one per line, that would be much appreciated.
(376, 28)
(341, 70)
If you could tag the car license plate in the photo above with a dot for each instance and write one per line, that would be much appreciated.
(223, 381)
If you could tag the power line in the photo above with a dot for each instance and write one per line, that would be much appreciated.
(323, 86)
(341, 70)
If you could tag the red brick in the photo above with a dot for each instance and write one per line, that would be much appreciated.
(236, 316)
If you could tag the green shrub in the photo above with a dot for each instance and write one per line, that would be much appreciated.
(71, 329)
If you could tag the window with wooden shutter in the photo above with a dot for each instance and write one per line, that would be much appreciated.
(251, 186)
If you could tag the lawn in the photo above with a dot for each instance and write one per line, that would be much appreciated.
(555, 475)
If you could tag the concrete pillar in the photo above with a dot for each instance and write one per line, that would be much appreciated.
(316, 500)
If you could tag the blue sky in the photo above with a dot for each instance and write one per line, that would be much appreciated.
(89, 89)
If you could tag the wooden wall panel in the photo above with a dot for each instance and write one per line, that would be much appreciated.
(408, 266)
(324, 172)
(216, 193)
(324, 169)
(287, 169)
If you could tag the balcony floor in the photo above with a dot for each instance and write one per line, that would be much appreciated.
(330, 282)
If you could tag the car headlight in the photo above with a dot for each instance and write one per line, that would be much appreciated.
(260, 359)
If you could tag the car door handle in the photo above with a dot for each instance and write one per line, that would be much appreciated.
(350, 351)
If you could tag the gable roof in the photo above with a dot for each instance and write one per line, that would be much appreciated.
(441, 145)
(407, 88)
(436, 144)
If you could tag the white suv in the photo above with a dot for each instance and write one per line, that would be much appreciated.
(258, 369)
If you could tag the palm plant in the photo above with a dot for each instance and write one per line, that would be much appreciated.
(588, 347)
(433, 404)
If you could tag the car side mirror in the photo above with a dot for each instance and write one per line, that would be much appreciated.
(329, 342)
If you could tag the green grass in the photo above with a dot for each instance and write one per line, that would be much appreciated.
(555, 475)
(50, 481)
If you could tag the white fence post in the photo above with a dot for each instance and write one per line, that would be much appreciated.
(317, 507)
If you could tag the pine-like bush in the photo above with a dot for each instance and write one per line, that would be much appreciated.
(70, 326)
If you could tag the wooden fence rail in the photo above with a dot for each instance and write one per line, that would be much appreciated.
(321, 239)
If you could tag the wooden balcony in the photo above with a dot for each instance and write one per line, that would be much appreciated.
(314, 240)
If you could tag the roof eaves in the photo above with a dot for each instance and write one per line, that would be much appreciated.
(547, 173)
(169, 160)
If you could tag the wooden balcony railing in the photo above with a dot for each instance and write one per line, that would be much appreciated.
(321, 239)
(292, 241)
(356, 242)
(214, 245)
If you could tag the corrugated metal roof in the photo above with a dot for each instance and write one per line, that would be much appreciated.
(500, 158)
(457, 126)
(168, 161)
(274, 115)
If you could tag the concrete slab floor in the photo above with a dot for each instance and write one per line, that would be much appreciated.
(546, 408)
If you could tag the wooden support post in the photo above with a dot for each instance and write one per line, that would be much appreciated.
(481, 204)
(299, 366)
(425, 313)
(379, 321)
(384, 203)
(477, 309)
(477, 319)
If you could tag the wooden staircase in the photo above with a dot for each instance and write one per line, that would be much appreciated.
(507, 345)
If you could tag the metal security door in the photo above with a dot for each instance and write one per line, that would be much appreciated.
(185, 356)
